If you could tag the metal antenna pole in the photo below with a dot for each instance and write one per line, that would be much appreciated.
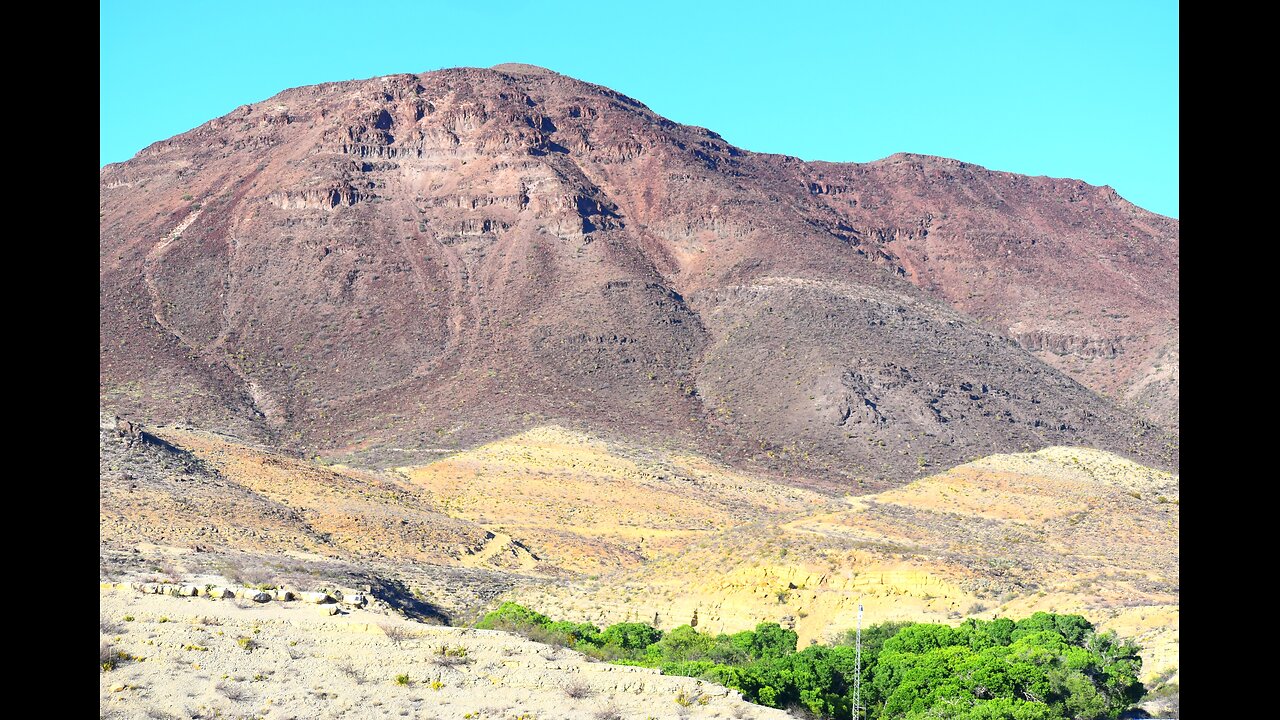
(857, 670)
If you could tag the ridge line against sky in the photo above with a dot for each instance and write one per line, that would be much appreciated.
(1085, 90)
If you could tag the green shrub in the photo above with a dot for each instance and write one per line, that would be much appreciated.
(509, 615)
(1044, 667)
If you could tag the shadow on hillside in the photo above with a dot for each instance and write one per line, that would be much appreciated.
(398, 595)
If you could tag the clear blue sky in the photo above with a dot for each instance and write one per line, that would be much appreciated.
(1083, 89)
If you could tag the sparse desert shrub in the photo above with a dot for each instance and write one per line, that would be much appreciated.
(447, 656)
(687, 698)
(395, 633)
(108, 659)
(128, 618)
(231, 691)
(349, 670)
(975, 608)
(247, 576)
(402, 679)
(109, 627)
(247, 643)
(577, 689)
(608, 712)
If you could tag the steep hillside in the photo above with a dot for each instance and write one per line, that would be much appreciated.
(378, 270)
(1083, 279)
(175, 487)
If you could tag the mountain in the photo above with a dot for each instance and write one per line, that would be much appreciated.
(381, 271)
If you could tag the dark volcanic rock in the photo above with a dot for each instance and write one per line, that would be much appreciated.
(425, 261)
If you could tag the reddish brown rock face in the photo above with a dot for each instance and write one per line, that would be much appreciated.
(421, 262)
(1077, 275)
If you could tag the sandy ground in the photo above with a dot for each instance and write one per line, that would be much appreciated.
(204, 658)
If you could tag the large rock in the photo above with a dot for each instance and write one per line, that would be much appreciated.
(253, 594)
(318, 598)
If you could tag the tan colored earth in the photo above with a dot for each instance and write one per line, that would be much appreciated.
(199, 657)
(585, 529)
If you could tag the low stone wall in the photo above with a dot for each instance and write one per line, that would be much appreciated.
(338, 596)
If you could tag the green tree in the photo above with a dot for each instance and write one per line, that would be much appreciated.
(510, 616)
(630, 636)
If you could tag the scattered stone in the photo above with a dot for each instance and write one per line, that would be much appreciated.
(260, 597)
(318, 598)
(330, 609)
(189, 591)
(118, 687)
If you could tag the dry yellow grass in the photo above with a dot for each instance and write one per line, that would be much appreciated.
(590, 507)
(262, 500)
(1064, 529)
(638, 533)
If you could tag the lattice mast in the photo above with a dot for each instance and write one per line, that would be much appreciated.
(857, 670)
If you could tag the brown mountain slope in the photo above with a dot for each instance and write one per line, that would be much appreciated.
(426, 261)
(1073, 272)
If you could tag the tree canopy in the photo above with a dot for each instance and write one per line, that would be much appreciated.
(1044, 667)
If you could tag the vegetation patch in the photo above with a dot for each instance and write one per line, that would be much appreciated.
(1044, 667)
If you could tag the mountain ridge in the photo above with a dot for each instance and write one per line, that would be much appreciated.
(430, 301)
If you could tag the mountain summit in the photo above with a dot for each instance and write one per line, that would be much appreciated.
(417, 263)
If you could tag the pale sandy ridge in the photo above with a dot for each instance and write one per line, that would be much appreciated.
(186, 657)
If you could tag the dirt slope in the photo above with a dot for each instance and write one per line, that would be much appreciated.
(379, 269)
(185, 658)
(585, 528)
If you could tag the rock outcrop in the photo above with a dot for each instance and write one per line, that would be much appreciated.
(394, 266)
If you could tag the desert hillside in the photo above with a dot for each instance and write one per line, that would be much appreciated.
(376, 271)
(184, 657)
(1061, 530)
(588, 529)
